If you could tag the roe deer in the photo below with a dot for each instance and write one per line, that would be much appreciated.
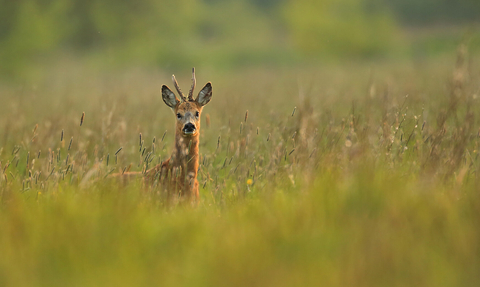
(178, 174)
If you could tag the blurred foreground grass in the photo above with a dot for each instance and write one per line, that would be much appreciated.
(371, 228)
(333, 177)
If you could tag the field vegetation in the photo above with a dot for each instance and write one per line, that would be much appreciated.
(359, 174)
(340, 148)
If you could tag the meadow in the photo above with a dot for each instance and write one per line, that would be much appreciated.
(358, 174)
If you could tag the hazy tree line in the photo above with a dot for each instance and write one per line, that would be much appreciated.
(427, 12)
(178, 31)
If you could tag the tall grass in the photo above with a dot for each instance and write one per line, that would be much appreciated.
(354, 175)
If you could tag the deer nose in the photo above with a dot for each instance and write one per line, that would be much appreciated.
(189, 128)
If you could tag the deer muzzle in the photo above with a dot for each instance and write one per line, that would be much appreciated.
(189, 129)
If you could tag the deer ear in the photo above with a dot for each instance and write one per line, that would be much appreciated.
(205, 95)
(169, 97)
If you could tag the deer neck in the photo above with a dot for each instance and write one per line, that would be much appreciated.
(186, 153)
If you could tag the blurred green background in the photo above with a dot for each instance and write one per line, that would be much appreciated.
(227, 33)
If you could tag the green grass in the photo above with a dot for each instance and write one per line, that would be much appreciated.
(335, 178)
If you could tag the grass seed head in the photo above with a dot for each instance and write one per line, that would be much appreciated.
(82, 118)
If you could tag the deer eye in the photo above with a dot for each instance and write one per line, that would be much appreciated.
(179, 116)
(197, 114)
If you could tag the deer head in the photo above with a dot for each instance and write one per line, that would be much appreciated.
(187, 110)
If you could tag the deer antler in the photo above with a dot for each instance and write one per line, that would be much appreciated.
(182, 96)
(190, 93)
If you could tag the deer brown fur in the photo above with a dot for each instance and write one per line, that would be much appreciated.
(178, 174)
